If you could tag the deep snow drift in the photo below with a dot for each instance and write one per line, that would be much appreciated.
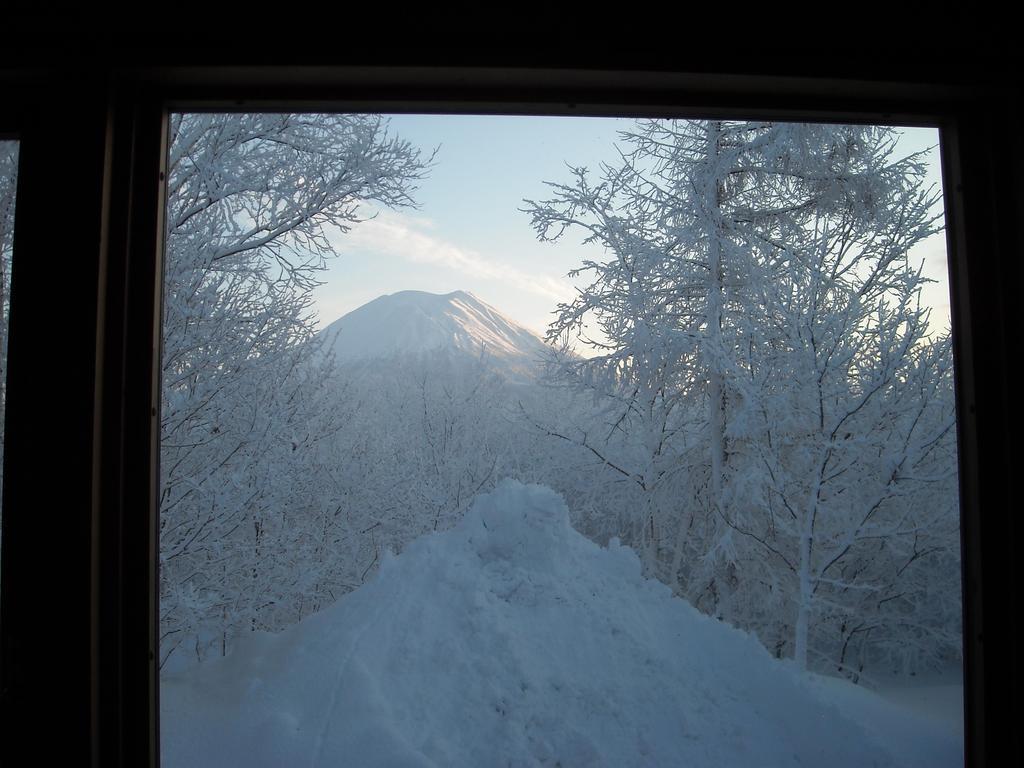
(513, 640)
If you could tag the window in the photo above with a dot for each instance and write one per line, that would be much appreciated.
(8, 197)
(288, 470)
(123, 478)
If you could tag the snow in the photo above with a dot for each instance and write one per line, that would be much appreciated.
(417, 323)
(513, 640)
(936, 695)
(923, 737)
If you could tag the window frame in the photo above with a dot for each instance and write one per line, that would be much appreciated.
(106, 558)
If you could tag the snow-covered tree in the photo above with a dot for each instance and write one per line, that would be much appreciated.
(426, 435)
(760, 335)
(255, 206)
(843, 419)
(633, 379)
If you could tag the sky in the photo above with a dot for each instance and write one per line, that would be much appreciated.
(467, 232)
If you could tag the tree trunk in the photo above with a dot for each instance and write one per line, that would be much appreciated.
(806, 594)
(716, 413)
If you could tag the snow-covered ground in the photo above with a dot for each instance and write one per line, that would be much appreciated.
(937, 696)
(512, 640)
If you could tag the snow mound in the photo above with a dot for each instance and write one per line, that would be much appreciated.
(527, 527)
(512, 640)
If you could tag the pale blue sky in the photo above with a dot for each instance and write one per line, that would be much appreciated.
(468, 233)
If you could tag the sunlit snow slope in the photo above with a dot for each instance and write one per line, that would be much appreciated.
(512, 640)
(414, 323)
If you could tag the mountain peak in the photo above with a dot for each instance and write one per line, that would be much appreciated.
(417, 323)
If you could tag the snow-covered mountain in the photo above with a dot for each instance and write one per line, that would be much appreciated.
(418, 324)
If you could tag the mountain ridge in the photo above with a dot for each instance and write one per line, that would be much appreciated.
(419, 324)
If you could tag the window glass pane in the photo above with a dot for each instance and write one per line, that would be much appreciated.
(557, 441)
(8, 190)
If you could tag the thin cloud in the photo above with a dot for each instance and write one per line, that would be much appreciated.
(403, 236)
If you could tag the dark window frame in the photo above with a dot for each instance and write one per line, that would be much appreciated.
(78, 613)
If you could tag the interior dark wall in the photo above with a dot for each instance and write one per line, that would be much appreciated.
(46, 613)
(77, 579)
